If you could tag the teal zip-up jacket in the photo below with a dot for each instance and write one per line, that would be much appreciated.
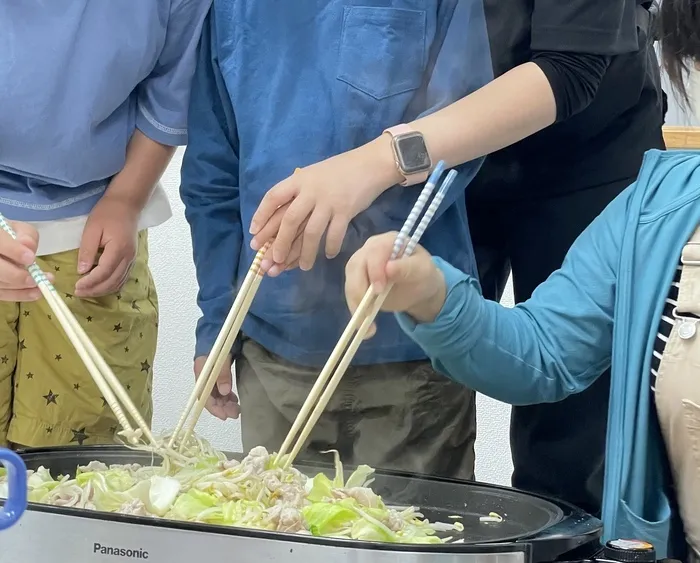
(601, 308)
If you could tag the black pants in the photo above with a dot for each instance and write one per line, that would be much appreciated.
(558, 449)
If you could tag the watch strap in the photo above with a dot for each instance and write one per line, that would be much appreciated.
(416, 177)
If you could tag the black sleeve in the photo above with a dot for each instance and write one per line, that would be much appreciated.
(596, 27)
(574, 78)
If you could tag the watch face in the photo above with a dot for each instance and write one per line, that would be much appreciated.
(412, 153)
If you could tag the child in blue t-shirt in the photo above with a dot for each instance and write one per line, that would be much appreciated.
(93, 100)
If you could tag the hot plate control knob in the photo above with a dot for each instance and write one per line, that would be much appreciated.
(630, 551)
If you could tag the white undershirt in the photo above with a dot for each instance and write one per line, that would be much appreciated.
(65, 234)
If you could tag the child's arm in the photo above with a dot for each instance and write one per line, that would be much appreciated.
(146, 160)
(518, 104)
(161, 125)
(553, 345)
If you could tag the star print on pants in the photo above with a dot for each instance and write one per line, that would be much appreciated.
(145, 366)
(50, 398)
(79, 436)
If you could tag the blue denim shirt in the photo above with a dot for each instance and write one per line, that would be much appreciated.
(281, 85)
(77, 77)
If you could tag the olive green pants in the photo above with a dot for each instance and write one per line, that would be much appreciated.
(47, 397)
(401, 416)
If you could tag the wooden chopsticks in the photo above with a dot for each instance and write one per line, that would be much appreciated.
(108, 384)
(221, 349)
(361, 321)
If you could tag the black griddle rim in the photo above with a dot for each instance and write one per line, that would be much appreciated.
(522, 544)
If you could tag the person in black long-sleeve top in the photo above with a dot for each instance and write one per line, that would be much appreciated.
(531, 200)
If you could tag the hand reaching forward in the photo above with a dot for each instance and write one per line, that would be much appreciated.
(418, 285)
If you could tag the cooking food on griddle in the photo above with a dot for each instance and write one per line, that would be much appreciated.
(252, 493)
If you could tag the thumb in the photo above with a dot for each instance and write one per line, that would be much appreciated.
(89, 247)
(224, 383)
(401, 271)
(27, 235)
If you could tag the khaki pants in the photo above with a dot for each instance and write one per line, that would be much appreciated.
(402, 416)
(47, 396)
(677, 395)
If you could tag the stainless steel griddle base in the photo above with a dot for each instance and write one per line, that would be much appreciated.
(54, 538)
(534, 529)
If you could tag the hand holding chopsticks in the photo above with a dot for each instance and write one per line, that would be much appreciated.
(108, 384)
(361, 322)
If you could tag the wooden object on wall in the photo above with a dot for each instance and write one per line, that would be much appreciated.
(682, 137)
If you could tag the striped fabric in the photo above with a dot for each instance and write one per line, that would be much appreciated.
(666, 325)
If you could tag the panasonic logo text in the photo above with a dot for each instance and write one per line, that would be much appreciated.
(137, 554)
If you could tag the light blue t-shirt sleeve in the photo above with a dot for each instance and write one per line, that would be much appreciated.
(553, 345)
(163, 97)
(209, 190)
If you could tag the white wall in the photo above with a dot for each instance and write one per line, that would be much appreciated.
(174, 275)
(684, 117)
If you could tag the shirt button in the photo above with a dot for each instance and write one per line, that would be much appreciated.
(687, 330)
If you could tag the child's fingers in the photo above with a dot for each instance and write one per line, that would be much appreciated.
(89, 247)
(337, 229)
(403, 271)
(105, 278)
(282, 194)
(378, 252)
(26, 235)
(21, 251)
(356, 282)
(297, 214)
(13, 276)
(311, 240)
(269, 230)
(293, 257)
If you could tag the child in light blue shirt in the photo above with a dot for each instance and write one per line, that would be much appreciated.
(93, 100)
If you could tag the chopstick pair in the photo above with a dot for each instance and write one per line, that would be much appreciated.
(103, 376)
(361, 321)
(221, 349)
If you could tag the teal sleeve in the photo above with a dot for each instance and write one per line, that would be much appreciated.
(551, 346)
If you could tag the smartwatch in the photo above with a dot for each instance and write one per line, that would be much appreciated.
(411, 154)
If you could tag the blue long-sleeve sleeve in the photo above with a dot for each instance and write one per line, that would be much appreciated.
(553, 345)
(209, 190)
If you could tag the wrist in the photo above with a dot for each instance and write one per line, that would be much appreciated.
(385, 172)
(124, 198)
(429, 308)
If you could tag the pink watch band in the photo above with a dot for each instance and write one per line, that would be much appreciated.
(411, 179)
